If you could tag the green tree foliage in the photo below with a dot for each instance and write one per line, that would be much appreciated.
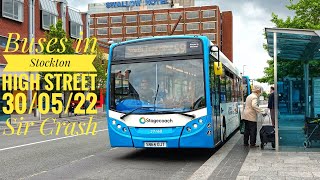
(307, 16)
(57, 32)
(100, 63)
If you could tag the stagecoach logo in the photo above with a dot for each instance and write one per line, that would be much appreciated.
(143, 120)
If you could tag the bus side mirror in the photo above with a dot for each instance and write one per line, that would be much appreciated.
(218, 68)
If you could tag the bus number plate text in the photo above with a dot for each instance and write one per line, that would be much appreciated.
(155, 144)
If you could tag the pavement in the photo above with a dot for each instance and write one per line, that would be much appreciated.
(22, 119)
(91, 157)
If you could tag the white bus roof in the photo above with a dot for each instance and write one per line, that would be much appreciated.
(226, 62)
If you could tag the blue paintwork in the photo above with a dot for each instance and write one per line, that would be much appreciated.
(176, 137)
(119, 138)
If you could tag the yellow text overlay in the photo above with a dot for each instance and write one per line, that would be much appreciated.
(64, 82)
(18, 103)
(49, 63)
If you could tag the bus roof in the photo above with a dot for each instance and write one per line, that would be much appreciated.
(225, 61)
(158, 37)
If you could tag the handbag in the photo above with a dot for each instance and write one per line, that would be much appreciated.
(242, 123)
(242, 126)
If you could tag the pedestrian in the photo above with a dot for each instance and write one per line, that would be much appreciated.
(71, 109)
(250, 116)
(271, 105)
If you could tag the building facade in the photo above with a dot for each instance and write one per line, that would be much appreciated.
(127, 20)
(32, 18)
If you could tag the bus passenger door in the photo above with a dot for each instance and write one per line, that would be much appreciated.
(215, 103)
(216, 110)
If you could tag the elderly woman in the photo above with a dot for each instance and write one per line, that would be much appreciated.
(250, 116)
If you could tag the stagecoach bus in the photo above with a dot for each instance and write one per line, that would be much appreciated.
(246, 87)
(170, 92)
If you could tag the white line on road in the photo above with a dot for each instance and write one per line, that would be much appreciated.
(212, 163)
(81, 159)
(33, 175)
(39, 142)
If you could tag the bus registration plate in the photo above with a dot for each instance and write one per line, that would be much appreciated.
(155, 144)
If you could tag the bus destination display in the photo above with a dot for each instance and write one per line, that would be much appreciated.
(156, 49)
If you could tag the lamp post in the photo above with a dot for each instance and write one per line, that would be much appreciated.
(243, 69)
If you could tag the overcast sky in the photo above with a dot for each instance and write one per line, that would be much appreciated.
(250, 17)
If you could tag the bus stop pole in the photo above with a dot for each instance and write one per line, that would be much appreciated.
(275, 54)
(306, 87)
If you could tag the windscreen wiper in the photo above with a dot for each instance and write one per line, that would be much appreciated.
(127, 114)
(155, 98)
(172, 112)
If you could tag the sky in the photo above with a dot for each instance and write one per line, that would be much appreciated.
(250, 17)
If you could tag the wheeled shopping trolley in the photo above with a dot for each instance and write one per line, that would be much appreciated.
(312, 132)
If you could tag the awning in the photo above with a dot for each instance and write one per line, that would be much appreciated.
(294, 44)
(75, 16)
(49, 6)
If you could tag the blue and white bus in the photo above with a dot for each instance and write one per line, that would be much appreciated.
(246, 87)
(163, 92)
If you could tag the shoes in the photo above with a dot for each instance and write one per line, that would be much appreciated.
(254, 146)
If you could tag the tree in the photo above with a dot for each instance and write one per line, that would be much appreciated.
(57, 32)
(100, 63)
(307, 16)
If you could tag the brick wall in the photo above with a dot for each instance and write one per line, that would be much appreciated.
(12, 26)
(227, 35)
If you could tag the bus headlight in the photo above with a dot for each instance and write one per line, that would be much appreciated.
(114, 122)
(124, 129)
(119, 126)
(200, 121)
(195, 125)
(188, 129)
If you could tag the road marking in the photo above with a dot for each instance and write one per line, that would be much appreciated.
(33, 175)
(211, 164)
(81, 159)
(39, 142)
